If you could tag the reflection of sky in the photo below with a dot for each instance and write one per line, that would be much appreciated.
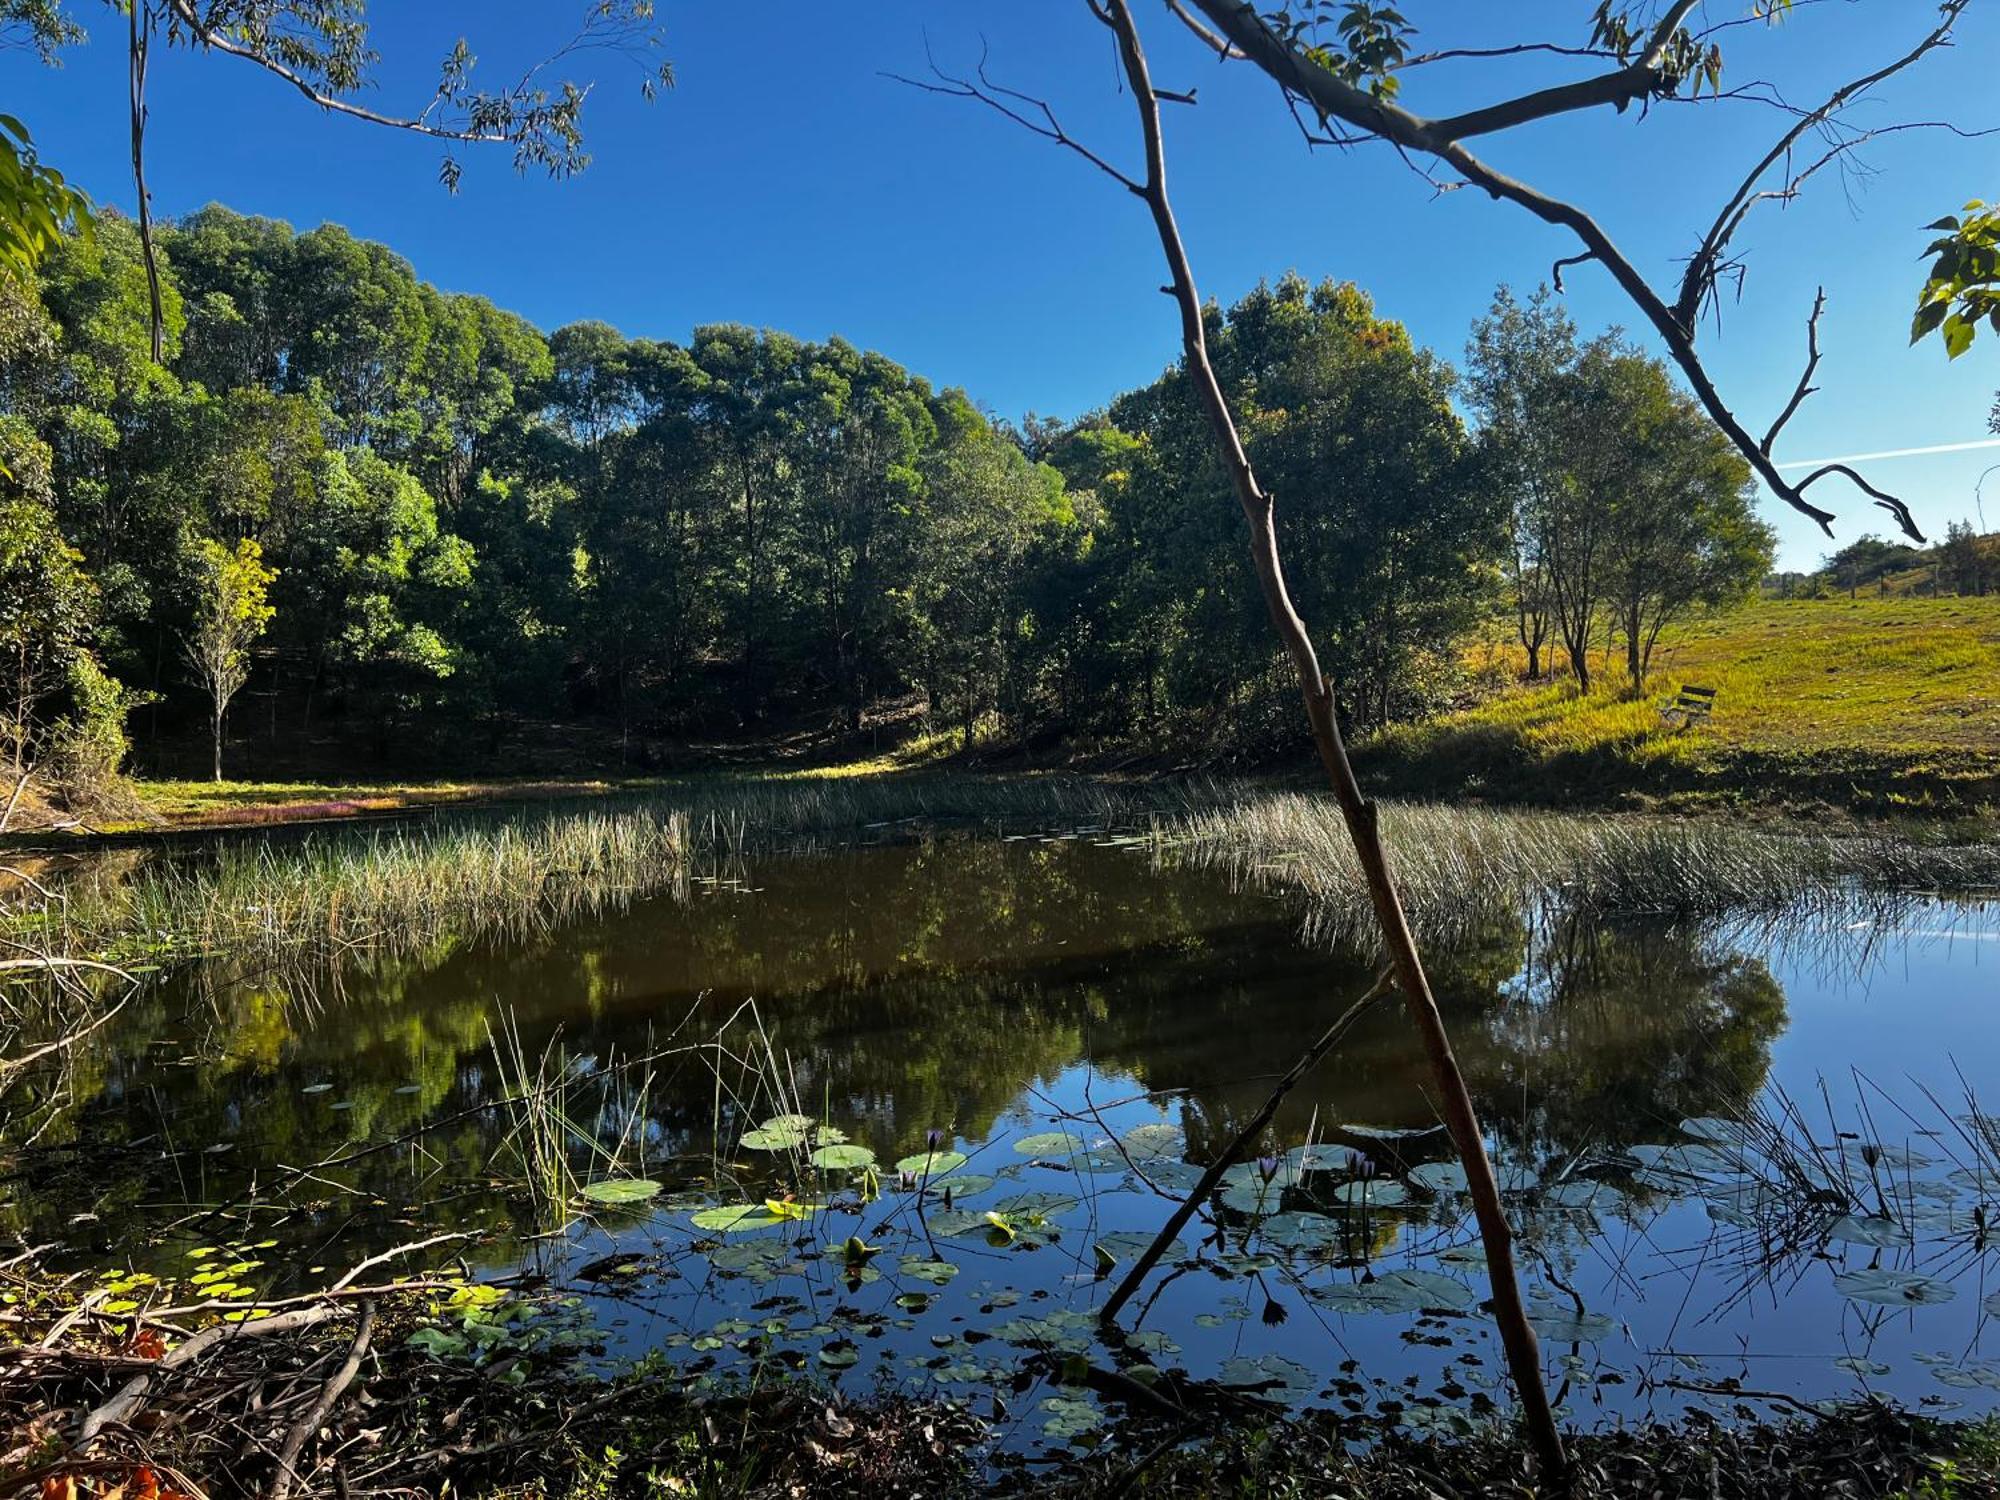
(933, 964)
(1899, 1003)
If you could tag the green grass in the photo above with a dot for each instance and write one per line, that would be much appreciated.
(329, 893)
(1873, 703)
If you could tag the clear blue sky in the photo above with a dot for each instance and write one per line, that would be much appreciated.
(786, 183)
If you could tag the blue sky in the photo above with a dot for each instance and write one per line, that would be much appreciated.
(785, 182)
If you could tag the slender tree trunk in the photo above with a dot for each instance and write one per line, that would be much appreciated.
(215, 725)
(1634, 659)
(1516, 1334)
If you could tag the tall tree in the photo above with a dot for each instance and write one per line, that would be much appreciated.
(230, 616)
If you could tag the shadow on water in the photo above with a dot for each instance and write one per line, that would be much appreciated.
(1003, 992)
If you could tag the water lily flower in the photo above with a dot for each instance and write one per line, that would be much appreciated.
(933, 1139)
(1267, 1167)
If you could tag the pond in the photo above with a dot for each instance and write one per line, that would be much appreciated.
(908, 1111)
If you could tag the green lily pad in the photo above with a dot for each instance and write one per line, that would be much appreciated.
(932, 1163)
(1154, 1142)
(936, 1272)
(1049, 1143)
(734, 1218)
(841, 1355)
(843, 1158)
(620, 1191)
(1440, 1177)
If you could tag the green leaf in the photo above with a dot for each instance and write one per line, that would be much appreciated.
(932, 1163)
(843, 1158)
(620, 1191)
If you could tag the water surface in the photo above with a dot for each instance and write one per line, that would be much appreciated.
(1037, 1002)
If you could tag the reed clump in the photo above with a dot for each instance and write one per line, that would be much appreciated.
(410, 886)
(1457, 865)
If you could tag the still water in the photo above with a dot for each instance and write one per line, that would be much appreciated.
(1739, 1154)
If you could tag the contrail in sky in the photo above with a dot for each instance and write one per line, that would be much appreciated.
(1855, 458)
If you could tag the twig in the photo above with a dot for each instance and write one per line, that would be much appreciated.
(329, 1396)
(132, 1395)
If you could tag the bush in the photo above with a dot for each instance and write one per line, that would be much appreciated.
(88, 744)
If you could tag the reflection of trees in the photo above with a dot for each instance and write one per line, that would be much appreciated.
(1571, 1033)
(905, 987)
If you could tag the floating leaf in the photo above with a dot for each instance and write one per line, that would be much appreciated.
(1154, 1142)
(1376, 1192)
(840, 1355)
(1440, 1177)
(618, 1191)
(1405, 1291)
(1855, 1364)
(1130, 1244)
(1565, 1325)
(732, 1218)
(1272, 1372)
(317, 1088)
(937, 1272)
(1889, 1288)
(959, 1185)
(843, 1158)
(1049, 1143)
(932, 1163)
(1868, 1229)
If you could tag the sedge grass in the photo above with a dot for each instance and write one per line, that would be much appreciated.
(407, 888)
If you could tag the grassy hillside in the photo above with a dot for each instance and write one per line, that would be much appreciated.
(1870, 703)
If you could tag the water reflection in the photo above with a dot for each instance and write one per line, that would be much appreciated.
(974, 986)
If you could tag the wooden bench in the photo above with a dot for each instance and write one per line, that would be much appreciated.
(1693, 706)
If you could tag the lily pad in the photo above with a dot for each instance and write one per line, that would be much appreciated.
(1049, 1143)
(621, 1191)
(1154, 1142)
(1440, 1177)
(1270, 1372)
(1376, 1192)
(1565, 1325)
(841, 1355)
(1868, 1229)
(959, 1185)
(936, 1272)
(1856, 1364)
(1406, 1291)
(1887, 1288)
(843, 1158)
(734, 1218)
(932, 1163)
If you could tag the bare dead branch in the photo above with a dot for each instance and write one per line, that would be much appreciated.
(1333, 98)
(1011, 103)
(1805, 386)
(329, 1397)
(1699, 276)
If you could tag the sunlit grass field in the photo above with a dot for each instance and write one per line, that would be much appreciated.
(1895, 700)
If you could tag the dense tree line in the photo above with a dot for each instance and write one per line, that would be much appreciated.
(413, 521)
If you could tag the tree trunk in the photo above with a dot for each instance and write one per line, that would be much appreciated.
(216, 726)
(1634, 660)
(1517, 1336)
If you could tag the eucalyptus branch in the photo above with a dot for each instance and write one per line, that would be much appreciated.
(1700, 274)
(1335, 99)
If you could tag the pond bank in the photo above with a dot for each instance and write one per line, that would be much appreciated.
(330, 892)
(428, 1387)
